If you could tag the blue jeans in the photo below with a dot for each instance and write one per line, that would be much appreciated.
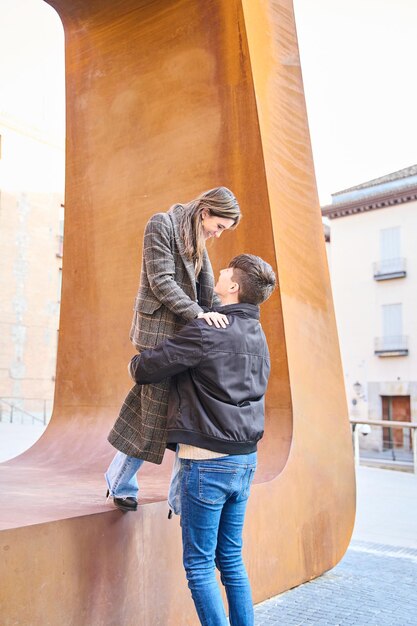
(174, 492)
(214, 494)
(121, 476)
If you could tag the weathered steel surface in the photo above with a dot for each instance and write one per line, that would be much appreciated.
(166, 98)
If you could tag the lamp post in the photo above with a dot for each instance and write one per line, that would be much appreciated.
(364, 429)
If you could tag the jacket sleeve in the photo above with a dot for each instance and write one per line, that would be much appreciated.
(171, 357)
(160, 269)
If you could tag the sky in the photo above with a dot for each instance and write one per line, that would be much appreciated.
(357, 59)
(358, 63)
(32, 78)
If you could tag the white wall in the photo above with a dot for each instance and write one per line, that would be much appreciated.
(31, 193)
(358, 298)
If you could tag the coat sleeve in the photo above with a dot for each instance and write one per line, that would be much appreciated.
(171, 357)
(216, 300)
(160, 269)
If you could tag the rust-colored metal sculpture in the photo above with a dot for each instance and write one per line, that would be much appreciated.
(166, 98)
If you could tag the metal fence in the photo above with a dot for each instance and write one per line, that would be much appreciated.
(403, 451)
(25, 410)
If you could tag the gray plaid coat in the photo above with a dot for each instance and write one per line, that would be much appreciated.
(166, 300)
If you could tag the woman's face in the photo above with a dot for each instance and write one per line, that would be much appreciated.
(213, 226)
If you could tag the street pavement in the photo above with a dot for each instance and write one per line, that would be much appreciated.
(375, 584)
(16, 438)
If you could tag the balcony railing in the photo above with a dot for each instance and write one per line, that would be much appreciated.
(396, 345)
(390, 268)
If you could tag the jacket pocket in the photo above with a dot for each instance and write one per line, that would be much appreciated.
(146, 303)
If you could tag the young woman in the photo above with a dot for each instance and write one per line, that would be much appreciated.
(176, 283)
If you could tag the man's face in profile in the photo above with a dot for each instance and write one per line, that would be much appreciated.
(224, 282)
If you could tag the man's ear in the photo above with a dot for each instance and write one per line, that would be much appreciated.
(234, 288)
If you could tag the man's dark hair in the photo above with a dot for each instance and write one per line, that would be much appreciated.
(255, 277)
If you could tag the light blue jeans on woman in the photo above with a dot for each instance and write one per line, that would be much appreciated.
(121, 476)
(214, 494)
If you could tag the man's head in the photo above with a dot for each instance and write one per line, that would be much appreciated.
(248, 279)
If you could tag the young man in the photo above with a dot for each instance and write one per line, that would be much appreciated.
(216, 418)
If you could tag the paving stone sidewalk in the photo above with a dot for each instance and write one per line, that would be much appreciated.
(373, 585)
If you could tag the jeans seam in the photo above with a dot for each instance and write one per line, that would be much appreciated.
(125, 466)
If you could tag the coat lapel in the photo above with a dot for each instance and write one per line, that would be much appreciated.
(174, 214)
(206, 281)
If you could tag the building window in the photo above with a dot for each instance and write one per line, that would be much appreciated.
(391, 264)
(393, 342)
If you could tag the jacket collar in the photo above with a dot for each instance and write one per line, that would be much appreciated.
(241, 308)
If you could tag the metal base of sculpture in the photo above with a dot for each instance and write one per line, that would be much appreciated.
(166, 98)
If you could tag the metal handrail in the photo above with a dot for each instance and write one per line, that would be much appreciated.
(392, 424)
(389, 424)
(13, 406)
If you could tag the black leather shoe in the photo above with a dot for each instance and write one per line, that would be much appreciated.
(124, 504)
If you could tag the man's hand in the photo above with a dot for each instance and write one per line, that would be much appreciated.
(212, 317)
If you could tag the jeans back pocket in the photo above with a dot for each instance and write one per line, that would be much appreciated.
(215, 484)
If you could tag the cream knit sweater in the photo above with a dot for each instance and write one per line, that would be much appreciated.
(197, 454)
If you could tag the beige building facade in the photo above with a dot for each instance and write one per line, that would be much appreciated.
(372, 253)
(31, 230)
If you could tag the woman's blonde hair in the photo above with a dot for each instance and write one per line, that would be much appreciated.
(219, 201)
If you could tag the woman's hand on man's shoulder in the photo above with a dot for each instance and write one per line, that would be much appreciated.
(212, 317)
